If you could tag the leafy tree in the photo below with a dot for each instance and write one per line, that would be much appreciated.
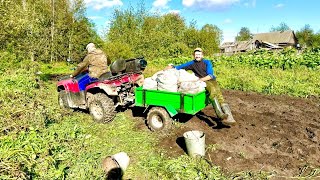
(154, 35)
(172, 30)
(305, 36)
(45, 30)
(149, 45)
(118, 50)
(210, 37)
(80, 31)
(72, 31)
(244, 34)
(282, 27)
(178, 49)
(191, 36)
(316, 42)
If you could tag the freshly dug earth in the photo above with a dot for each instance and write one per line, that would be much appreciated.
(277, 134)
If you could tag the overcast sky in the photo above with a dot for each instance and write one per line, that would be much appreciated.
(229, 15)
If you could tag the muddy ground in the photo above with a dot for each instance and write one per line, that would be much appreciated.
(276, 134)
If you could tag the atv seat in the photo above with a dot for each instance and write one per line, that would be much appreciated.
(118, 66)
(128, 66)
(105, 76)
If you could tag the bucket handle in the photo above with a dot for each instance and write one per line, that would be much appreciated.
(197, 136)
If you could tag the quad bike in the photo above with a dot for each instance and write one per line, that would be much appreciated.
(103, 96)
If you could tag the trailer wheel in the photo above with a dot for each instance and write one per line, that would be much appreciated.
(102, 108)
(158, 119)
(62, 99)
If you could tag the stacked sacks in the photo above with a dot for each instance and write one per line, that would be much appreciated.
(166, 80)
(173, 80)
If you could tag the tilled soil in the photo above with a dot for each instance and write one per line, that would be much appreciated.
(277, 134)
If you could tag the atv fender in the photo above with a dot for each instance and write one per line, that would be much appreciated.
(110, 90)
(107, 88)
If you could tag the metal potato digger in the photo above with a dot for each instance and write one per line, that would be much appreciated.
(121, 88)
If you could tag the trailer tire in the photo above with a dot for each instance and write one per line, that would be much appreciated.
(102, 108)
(62, 99)
(158, 119)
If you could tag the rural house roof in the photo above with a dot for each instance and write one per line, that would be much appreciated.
(238, 45)
(244, 45)
(271, 40)
(227, 44)
(276, 37)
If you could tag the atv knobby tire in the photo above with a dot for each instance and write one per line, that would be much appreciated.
(158, 119)
(102, 108)
(62, 99)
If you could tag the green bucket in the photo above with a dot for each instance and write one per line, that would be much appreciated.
(195, 143)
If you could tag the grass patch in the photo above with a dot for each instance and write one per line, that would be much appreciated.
(299, 82)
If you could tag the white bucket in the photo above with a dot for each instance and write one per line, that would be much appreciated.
(116, 164)
(122, 159)
(195, 143)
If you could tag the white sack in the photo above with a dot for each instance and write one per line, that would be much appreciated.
(192, 87)
(167, 80)
(186, 76)
(149, 83)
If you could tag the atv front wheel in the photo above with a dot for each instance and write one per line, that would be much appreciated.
(158, 119)
(62, 99)
(102, 108)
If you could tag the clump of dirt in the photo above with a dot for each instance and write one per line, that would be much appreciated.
(278, 134)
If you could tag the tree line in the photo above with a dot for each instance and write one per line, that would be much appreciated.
(56, 30)
(45, 30)
(306, 36)
(136, 32)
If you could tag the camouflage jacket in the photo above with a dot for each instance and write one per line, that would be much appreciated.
(97, 63)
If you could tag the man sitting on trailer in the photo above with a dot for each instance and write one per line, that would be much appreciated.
(203, 69)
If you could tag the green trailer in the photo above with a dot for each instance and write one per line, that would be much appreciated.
(163, 105)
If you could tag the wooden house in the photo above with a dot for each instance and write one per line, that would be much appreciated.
(277, 39)
(271, 41)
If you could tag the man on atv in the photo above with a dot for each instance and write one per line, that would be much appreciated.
(203, 69)
(95, 61)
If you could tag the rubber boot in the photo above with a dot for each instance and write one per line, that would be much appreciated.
(216, 105)
(229, 120)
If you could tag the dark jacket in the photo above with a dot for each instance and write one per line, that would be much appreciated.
(200, 68)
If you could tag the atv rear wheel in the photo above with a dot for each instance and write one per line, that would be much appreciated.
(158, 119)
(102, 108)
(62, 99)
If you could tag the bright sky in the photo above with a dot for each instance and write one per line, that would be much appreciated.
(229, 15)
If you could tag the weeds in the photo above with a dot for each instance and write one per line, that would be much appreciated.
(212, 147)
